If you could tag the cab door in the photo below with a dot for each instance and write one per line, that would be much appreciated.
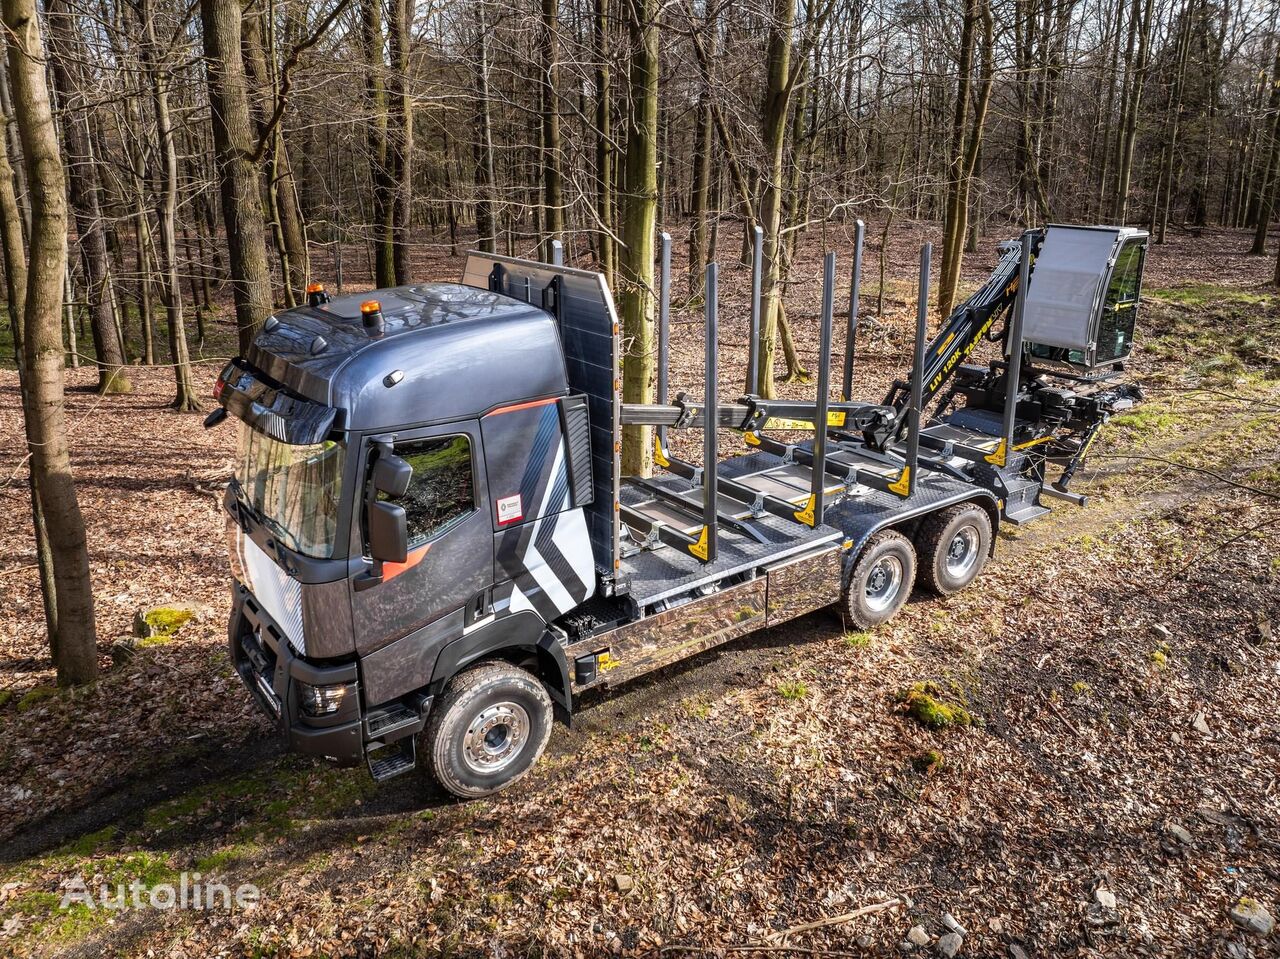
(449, 566)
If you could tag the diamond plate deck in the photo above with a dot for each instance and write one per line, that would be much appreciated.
(660, 573)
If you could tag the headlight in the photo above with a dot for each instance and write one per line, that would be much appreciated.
(321, 700)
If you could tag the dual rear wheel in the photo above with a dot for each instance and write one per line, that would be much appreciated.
(949, 551)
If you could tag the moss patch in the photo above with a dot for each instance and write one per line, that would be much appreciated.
(34, 697)
(927, 704)
(928, 762)
(164, 621)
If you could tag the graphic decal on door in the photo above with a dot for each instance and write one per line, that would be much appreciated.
(547, 560)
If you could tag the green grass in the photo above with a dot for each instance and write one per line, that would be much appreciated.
(1209, 295)
(857, 640)
(793, 690)
(1146, 420)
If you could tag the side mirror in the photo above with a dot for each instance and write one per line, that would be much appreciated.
(391, 475)
(388, 532)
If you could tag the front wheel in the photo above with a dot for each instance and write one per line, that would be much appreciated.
(880, 581)
(487, 729)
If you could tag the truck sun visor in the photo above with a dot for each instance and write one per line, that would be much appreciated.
(248, 395)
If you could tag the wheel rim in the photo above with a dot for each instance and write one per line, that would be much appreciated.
(496, 738)
(884, 582)
(962, 552)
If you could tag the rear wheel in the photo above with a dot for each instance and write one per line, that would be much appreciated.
(487, 729)
(954, 545)
(880, 581)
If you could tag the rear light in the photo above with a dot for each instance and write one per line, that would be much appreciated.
(321, 700)
(218, 387)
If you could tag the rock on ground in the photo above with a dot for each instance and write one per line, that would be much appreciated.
(1252, 916)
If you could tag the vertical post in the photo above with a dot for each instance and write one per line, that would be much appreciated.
(1013, 343)
(753, 337)
(851, 334)
(664, 328)
(557, 253)
(709, 422)
(917, 376)
(824, 386)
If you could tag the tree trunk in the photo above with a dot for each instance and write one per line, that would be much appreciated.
(286, 225)
(1266, 195)
(13, 243)
(67, 57)
(777, 101)
(166, 216)
(604, 143)
(377, 131)
(1133, 102)
(953, 234)
(552, 188)
(639, 220)
(233, 142)
(701, 169)
(400, 133)
(968, 143)
(72, 639)
(1165, 190)
(485, 174)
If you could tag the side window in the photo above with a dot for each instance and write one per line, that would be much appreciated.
(441, 491)
(1115, 333)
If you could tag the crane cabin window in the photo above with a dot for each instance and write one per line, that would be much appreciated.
(1120, 308)
(442, 490)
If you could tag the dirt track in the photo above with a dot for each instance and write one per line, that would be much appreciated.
(735, 804)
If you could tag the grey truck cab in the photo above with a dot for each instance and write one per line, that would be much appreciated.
(435, 552)
(405, 503)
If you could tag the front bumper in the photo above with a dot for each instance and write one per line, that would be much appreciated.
(273, 673)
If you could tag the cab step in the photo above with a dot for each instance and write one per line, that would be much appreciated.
(386, 762)
(392, 722)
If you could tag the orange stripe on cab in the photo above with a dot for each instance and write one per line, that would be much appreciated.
(391, 570)
(522, 406)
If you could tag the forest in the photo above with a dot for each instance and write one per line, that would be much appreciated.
(172, 174)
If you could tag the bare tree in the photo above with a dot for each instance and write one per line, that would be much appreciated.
(73, 637)
(233, 138)
(639, 193)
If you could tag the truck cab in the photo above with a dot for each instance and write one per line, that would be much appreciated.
(404, 501)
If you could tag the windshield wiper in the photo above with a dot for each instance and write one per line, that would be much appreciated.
(243, 511)
(244, 508)
(280, 530)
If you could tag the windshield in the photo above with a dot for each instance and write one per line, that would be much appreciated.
(293, 489)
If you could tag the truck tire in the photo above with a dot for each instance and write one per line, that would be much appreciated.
(487, 729)
(880, 581)
(953, 544)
